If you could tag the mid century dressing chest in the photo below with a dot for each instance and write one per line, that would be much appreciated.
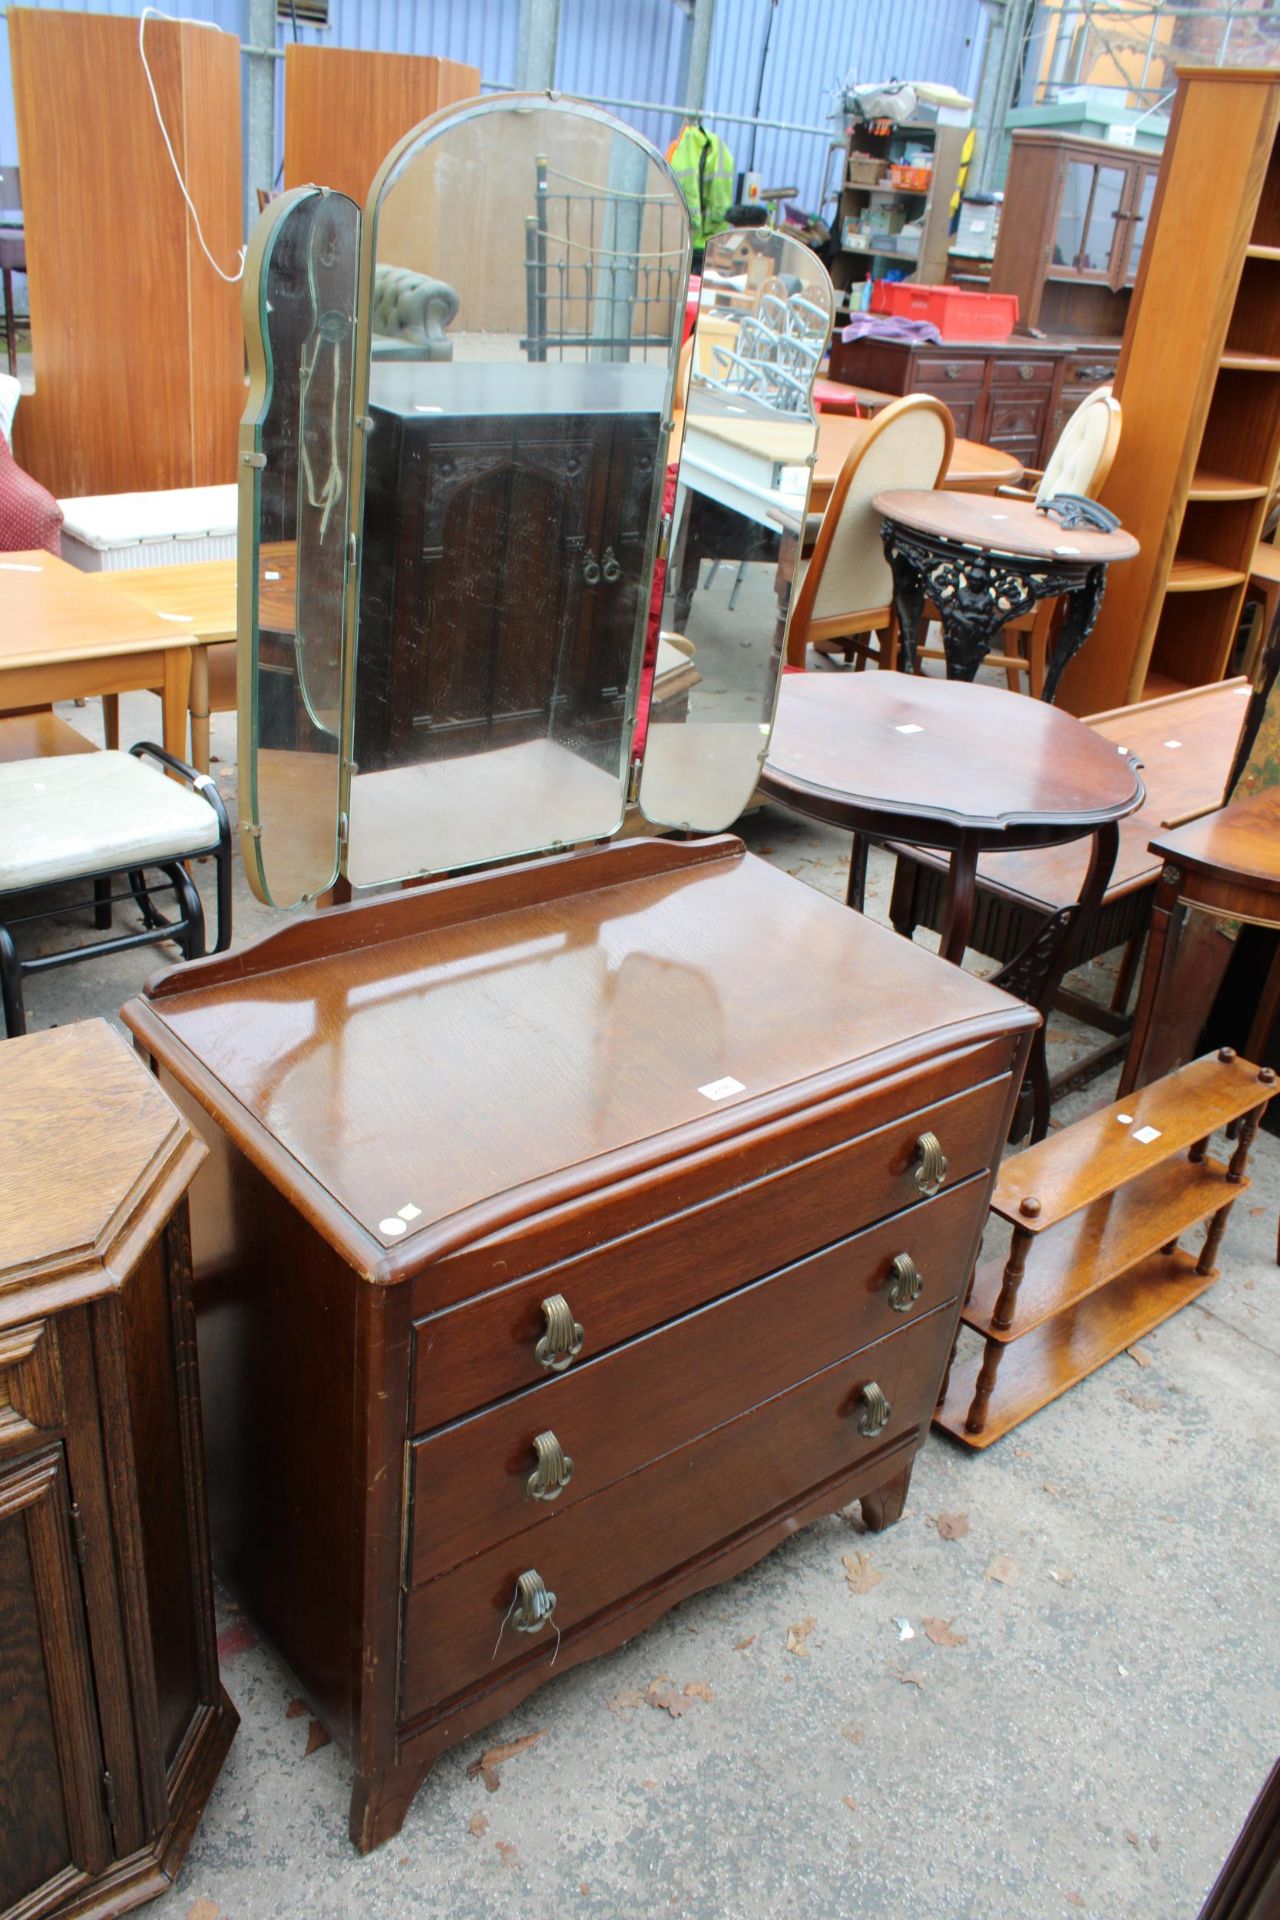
(572, 1230)
(112, 1721)
(554, 1242)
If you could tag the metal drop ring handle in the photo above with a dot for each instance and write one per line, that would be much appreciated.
(905, 1283)
(610, 567)
(590, 569)
(562, 1341)
(875, 1411)
(930, 1164)
(554, 1470)
(533, 1606)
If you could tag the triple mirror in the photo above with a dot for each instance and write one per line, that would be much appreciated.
(510, 541)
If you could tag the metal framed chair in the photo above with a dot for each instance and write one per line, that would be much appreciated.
(99, 818)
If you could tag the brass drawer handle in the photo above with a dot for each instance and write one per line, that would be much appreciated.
(533, 1606)
(562, 1341)
(554, 1470)
(875, 1411)
(905, 1283)
(931, 1164)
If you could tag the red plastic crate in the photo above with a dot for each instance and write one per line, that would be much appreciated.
(957, 313)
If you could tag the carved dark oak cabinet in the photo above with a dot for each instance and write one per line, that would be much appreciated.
(112, 1722)
(554, 1259)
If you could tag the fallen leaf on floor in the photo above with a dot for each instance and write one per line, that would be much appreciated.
(404, 1860)
(941, 1634)
(660, 1693)
(906, 1679)
(952, 1526)
(478, 1825)
(854, 1735)
(508, 1852)
(1146, 1401)
(1063, 1575)
(765, 852)
(1139, 1354)
(1076, 1899)
(236, 1640)
(1022, 1453)
(584, 1886)
(1132, 1837)
(296, 1709)
(797, 1635)
(860, 1573)
(699, 1690)
(317, 1737)
(850, 1802)
(1003, 1569)
(203, 1910)
(1255, 1213)
(1049, 1487)
(740, 1646)
(493, 1757)
(1249, 1285)
(649, 1785)
(622, 1702)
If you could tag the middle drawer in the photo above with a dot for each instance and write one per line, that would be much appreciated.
(471, 1481)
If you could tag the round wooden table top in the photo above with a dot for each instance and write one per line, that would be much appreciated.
(866, 750)
(973, 467)
(1014, 527)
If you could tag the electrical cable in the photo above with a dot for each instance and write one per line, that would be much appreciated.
(155, 12)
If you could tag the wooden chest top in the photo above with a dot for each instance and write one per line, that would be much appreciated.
(420, 1054)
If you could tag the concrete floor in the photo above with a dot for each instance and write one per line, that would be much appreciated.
(1091, 1746)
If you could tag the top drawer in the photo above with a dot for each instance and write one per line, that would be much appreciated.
(468, 1355)
(937, 372)
(1022, 373)
(1088, 370)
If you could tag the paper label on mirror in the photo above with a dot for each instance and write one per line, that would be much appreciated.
(721, 1089)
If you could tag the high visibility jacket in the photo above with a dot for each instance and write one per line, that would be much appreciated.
(703, 165)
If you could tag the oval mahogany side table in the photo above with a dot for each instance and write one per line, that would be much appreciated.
(965, 769)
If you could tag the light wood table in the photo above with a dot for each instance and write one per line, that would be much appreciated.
(198, 600)
(973, 468)
(64, 637)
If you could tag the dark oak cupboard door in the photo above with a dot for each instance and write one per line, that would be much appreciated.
(53, 1826)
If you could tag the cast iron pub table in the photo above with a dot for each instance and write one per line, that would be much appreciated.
(965, 769)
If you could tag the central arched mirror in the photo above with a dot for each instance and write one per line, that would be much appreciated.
(479, 483)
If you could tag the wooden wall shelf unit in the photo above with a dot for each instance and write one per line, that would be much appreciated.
(1199, 382)
(112, 1723)
(1097, 1211)
(870, 257)
(1075, 217)
(139, 359)
(344, 109)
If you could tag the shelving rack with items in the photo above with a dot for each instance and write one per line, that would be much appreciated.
(895, 197)
(1199, 383)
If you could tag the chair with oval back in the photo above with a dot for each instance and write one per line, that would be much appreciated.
(845, 593)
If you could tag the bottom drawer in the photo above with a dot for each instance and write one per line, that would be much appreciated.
(669, 1513)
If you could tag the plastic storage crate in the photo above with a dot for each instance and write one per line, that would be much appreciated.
(957, 313)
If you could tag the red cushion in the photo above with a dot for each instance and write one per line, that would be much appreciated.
(29, 514)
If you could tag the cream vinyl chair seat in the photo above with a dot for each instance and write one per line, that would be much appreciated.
(845, 590)
(94, 817)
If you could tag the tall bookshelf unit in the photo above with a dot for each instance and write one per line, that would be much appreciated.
(1199, 384)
